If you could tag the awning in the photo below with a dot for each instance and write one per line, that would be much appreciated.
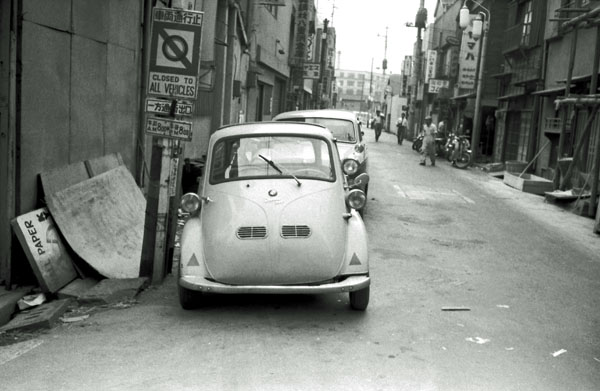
(464, 96)
(549, 91)
(501, 75)
(578, 79)
(505, 97)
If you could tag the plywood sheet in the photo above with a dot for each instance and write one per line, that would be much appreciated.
(102, 219)
(45, 250)
(528, 183)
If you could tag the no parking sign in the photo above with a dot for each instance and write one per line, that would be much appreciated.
(175, 53)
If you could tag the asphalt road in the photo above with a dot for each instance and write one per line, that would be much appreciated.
(526, 275)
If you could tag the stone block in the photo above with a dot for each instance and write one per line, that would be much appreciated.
(76, 288)
(42, 317)
(113, 290)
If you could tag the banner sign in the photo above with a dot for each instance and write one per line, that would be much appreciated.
(175, 53)
(168, 128)
(469, 56)
(436, 84)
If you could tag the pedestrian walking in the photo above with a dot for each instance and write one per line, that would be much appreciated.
(378, 125)
(428, 148)
(401, 126)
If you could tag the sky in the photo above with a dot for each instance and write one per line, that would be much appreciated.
(360, 30)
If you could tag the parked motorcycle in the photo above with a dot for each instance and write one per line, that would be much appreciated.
(458, 150)
(418, 143)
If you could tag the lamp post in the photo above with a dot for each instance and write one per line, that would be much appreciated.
(481, 26)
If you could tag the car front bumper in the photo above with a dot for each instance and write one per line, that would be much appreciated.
(349, 284)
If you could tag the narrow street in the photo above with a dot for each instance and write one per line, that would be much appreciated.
(476, 286)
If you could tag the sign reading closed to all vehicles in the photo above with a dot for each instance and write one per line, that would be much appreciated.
(175, 53)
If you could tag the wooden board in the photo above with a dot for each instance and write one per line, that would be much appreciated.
(102, 219)
(528, 183)
(45, 250)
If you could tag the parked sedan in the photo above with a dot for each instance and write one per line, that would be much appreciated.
(275, 215)
(347, 131)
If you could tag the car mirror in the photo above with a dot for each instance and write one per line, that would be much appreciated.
(361, 179)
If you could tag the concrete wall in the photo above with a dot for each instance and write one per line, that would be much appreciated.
(79, 86)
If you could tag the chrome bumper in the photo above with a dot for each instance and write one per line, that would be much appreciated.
(352, 283)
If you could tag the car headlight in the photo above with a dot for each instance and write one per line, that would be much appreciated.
(350, 166)
(190, 202)
(356, 199)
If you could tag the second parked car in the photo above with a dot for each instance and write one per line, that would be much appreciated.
(347, 132)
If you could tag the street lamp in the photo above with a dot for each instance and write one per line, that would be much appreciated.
(481, 27)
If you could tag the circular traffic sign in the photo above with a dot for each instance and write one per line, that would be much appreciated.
(174, 47)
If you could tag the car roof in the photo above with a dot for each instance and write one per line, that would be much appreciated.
(324, 113)
(291, 128)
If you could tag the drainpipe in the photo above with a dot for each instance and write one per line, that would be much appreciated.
(596, 169)
(140, 162)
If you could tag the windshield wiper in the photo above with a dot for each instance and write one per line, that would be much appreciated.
(279, 170)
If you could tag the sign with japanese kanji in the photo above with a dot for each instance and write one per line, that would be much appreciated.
(469, 56)
(175, 53)
(436, 84)
(168, 128)
(311, 71)
(163, 106)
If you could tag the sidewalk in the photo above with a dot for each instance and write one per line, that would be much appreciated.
(556, 216)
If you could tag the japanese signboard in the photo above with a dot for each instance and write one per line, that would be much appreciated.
(277, 3)
(436, 84)
(175, 53)
(168, 128)
(163, 106)
(431, 65)
(469, 56)
(311, 71)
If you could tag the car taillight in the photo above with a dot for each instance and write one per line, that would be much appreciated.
(350, 166)
(190, 202)
(356, 199)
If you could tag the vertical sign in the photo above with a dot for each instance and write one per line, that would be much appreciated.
(431, 64)
(469, 55)
(300, 46)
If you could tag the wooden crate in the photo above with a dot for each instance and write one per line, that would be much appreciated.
(528, 183)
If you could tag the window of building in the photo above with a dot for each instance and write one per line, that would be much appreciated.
(341, 74)
(350, 83)
(527, 13)
(351, 75)
(273, 9)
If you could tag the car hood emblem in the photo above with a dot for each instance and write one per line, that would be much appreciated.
(273, 192)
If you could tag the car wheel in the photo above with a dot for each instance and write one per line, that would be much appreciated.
(188, 299)
(359, 300)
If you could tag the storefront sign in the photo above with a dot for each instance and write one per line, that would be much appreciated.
(311, 71)
(436, 84)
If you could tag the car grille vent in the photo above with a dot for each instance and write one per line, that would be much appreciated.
(295, 231)
(252, 232)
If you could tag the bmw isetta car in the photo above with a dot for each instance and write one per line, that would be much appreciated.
(348, 134)
(275, 215)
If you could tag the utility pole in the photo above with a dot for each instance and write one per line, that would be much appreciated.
(370, 103)
(323, 88)
(420, 23)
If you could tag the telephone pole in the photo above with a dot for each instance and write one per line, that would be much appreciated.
(420, 24)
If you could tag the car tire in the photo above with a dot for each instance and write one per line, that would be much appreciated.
(188, 299)
(359, 300)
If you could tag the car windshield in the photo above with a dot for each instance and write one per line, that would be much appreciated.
(341, 129)
(235, 158)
